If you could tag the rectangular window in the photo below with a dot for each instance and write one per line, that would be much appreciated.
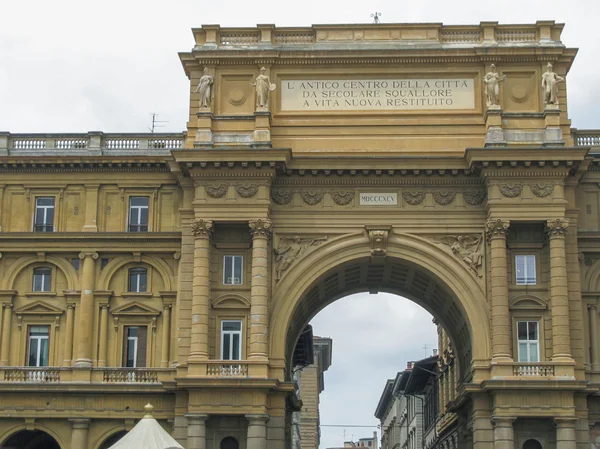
(134, 346)
(38, 346)
(42, 278)
(525, 270)
(232, 270)
(138, 214)
(44, 214)
(231, 340)
(528, 341)
(138, 280)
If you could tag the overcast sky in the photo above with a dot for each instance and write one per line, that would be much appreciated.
(77, 66)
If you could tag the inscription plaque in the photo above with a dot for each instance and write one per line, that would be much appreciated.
(378, 199)
(392, 94)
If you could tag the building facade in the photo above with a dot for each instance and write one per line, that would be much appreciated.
(181, 269)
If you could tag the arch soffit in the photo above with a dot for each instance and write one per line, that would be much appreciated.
(411, 248)
(22, 263)
(118, 262)
(528, 302)
(592, 278)
(231, 301)
(12, 431)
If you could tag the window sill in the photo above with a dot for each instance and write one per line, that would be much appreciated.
(41, 294)
(136, 295)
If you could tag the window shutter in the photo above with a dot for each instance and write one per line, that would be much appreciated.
(142, 345)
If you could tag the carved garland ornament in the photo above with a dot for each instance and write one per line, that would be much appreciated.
(260, 228)
(246, 190)
(290, 249)
(474, 197)
(216, 190)
(282, 197)
(342, 198)
(444, 197)
(414, 198)
(511, 190)
(557, 227)
(496, 228)
(202, 228)
(312, 197)
(542, 191)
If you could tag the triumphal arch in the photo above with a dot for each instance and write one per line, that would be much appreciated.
(436, 162)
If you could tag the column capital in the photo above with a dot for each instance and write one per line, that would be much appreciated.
(496, 228)
(260, 228)
(202, 228)
(503, 421)
(92, 254)
(591, 306)
(557, 227)
(201, 417)
(565, 422)
(80, 423)
(257, 418)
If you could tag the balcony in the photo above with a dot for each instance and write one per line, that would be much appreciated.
(221, 369)
(54, 375)
(587, 137)
(533, 370)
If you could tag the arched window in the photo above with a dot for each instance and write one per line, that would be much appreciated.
(229, 443)
(532, 444)
(138, 280)
(42, 279)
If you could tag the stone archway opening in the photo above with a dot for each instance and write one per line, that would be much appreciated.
(111, 440)
(30, 439)
(391, 275)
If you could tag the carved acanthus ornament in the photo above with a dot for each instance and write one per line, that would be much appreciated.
(290, 249)
(216, 190)
(378, 239)
(511, 190)
(496, 228)
(444, 197)
(312, 197)
(557, 227)
(342, 198)
(260, 228)
(414, 198)
(468, 248)
(246, 190)
(474, 197)
(542, 191)
(202, 228)
(282, 197)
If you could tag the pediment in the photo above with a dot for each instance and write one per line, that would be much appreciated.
(134, 308)
(231, 301)
(39, 308)
(528, 302)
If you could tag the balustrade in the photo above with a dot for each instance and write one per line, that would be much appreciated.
(533, 370)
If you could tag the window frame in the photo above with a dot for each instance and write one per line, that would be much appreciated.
(49, 274)
(527, 281)
(39, 345)
(222, 333)
(528, 342)
(125, 345)
(131, 271)
(45, 226)
(130, 207)
(234, 257)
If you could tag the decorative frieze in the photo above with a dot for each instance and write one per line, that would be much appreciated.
(216, 190)
(444, 197)
(542, 190)
(474, 197)
(202, 228)
(511, 190)
(290, 249)
(312, 197)
(557, 227)
(246, 190)
(468, 248)
(414, 198)
(342, 197)
(282, 197)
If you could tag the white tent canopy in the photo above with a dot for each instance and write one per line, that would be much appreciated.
(147, 434)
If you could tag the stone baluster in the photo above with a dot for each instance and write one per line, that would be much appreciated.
(259, 292)
(86, 310)
(202, 230)
(559, 294)
(496, 231)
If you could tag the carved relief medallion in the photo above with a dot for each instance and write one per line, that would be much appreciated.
(541, 190)
(342, 198)
(444, 197)
(311, 197)
(246, 190)
(216, 190)
(281, 197)
(511, 190)
(414, 198)
(474, 197)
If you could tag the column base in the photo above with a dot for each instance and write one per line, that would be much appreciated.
(83, 363)
(90, 228)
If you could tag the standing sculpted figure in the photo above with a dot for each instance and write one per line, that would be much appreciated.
(549, 84)
(492, 81)
(205, 87)
(263, 87)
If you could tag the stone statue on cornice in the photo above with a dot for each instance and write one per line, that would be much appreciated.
(205, 87)
(549, 84)
(492, 81)
(263, 88)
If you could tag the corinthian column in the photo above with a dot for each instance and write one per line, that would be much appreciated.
(496, 231)
(559, 293)
(202, 230)
(259, 291)
(86, 310)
